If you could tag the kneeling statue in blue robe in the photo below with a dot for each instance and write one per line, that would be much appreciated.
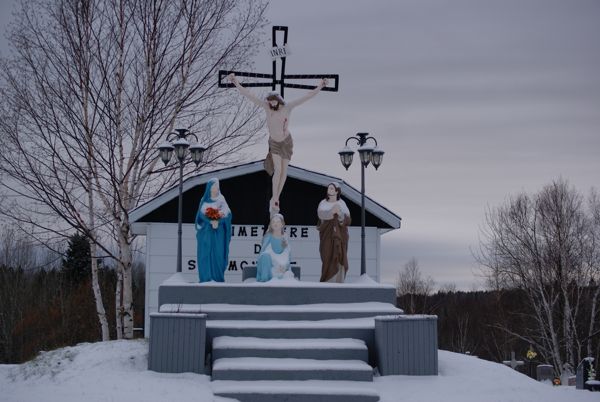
(274, 258)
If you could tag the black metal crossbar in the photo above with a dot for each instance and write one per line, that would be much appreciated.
(333, 85)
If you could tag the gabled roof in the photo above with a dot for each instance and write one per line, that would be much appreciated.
(391, 220)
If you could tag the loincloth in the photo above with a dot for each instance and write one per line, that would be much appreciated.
(284, 149)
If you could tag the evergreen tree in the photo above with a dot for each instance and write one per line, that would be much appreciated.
(76, 267)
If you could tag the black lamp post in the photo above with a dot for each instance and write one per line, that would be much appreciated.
(367, 154)
(180, 145)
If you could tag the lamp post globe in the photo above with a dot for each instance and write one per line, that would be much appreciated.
(377, 157)
(181, 145)
(166, 152)
(346, 155)
(197, 152)
(365, 154)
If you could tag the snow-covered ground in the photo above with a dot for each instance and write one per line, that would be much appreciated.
(116, 371)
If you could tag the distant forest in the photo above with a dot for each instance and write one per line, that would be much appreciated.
(47, 308)
(485, 324)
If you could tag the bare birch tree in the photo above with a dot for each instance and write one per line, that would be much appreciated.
(593, 262)
(95, 86)
(411, 283)
(544, 245)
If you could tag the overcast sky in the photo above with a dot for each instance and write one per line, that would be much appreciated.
(472, 101)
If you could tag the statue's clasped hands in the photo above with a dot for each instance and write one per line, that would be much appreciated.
(214, 224)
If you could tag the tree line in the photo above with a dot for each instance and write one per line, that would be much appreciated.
(540, 255)
(46, 300)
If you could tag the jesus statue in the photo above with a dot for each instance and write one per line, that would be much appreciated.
(280, 139)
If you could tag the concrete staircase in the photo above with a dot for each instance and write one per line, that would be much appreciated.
(309, 343)
(252, 369)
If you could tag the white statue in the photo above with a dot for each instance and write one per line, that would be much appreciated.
(274, 258)
(281, 145)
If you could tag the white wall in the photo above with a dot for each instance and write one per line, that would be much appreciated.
(161, 254)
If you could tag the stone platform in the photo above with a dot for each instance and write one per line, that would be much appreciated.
(275, 292)
(260, 336)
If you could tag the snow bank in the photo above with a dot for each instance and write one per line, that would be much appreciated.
(116, 371)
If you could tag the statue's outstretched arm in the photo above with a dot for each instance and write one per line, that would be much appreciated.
(309, 95)
(244, 91)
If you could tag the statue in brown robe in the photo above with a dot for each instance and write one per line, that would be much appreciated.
(334, 218)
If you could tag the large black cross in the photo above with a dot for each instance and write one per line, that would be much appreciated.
(273, 77)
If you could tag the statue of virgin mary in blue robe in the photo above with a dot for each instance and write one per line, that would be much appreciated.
(213, 235)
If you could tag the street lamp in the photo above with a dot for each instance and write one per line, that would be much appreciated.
(367, 155)
(180, 146)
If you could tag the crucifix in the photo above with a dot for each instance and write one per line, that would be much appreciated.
(513, 362)
(278, 110)
(279, 53)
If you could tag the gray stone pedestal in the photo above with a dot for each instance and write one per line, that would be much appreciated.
(177, 342)
(250, 272)
(406, 344)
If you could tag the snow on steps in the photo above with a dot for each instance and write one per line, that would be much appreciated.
(358, 328)
(296, 391)
(317, 311)
(320, 349)
(260, 368)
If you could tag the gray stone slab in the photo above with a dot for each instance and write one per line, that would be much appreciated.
(290, 397)
(292, 375)
(545, 372)
(296, 391)
(267, 294)
(319, 354)
(250, 272)
(291, 316)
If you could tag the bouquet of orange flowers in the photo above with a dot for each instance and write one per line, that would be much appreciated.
(213, 214)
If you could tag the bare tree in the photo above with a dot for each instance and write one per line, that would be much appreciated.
(19, 257)
(593, 262)
(93, 87)
(461, 340)
(544, 245)
(411, 283)
(16, 251)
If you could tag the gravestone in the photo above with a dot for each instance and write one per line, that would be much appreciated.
(583, 375)
(545, 372)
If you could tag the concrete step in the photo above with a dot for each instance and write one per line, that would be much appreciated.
(260, 368)
(320, 349)
(354, 328)
(285, 312)
(175, 291)
(296, 391)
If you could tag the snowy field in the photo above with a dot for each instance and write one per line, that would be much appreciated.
(116, 371)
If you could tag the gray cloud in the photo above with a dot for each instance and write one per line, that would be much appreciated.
(472, 100)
